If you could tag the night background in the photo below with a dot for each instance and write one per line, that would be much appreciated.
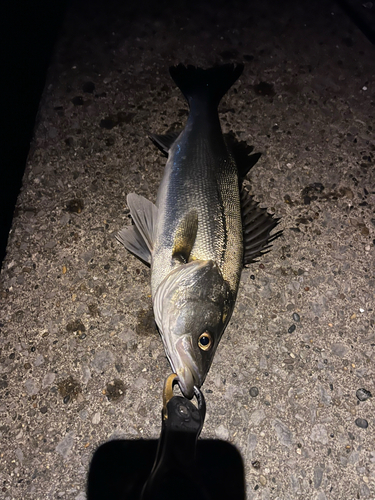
(28, 32)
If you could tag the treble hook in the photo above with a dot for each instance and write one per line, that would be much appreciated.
(168, 394)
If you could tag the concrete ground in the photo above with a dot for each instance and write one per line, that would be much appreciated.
(81, 361)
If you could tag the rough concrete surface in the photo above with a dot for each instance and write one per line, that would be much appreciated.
(81, 361)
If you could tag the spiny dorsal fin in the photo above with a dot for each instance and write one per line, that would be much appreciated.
(241, 152)
(164, 142)
(139, 239)
(185, 237)
(257, 225)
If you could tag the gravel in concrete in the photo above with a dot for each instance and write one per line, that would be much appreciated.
(80, 359)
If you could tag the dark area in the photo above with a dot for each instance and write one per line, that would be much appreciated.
(175, 466)
(120, 468)
(362, 14)
(28, 31)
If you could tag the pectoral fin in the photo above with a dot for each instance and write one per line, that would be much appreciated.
(133, 241)
(139, 239)
(185, 237)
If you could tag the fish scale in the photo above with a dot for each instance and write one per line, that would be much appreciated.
(196, 177)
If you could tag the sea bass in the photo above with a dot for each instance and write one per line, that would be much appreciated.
(202, 230)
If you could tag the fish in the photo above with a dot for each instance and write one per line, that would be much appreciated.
(202, 230)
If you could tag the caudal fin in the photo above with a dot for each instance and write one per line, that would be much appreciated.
(207, 85)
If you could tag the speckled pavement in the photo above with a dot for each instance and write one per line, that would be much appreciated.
(81, 362)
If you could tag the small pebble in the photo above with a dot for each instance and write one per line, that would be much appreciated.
(222, 432)
(32, 386)
(96, 418)
(361, 422)
(262, 480)
(363, 394)
(296, 317)
(115, 390)
(291, 328)
(252, 277)
(256, 464)
(254, 391)
(66, 444)
(66, 399)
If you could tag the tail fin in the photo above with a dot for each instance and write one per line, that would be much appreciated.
(207, 85)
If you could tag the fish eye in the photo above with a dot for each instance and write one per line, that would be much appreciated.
(205, 341)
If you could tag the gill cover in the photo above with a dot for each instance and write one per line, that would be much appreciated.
(192, 306)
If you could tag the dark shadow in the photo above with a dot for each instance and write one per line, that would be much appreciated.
(119, 469)
(28, 32)
(363, 17)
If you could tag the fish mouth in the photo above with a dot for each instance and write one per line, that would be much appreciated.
(186, 368)
(186, 381)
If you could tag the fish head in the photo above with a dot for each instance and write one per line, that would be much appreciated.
(192, 307)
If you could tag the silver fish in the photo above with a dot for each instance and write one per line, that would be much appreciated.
(202, 230)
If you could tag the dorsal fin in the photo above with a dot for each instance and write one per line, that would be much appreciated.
(185, 237)
(164, 142)
(139, 239)
(257, 225)
(241, 152)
